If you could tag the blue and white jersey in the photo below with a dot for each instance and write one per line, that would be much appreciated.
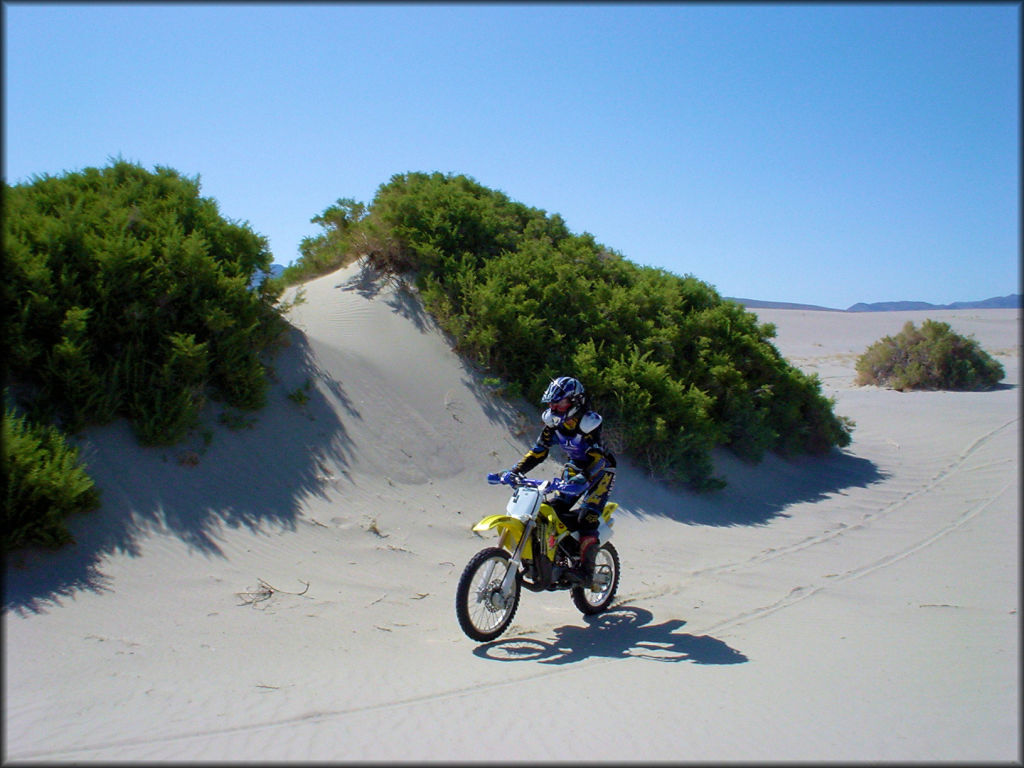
(579, 437)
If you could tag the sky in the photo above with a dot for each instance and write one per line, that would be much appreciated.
(819, 154)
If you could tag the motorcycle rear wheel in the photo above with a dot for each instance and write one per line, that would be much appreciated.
(606, 567)
(483, 612)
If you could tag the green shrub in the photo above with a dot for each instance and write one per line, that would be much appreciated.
(129, 295)
(45, 484)
(929, 357)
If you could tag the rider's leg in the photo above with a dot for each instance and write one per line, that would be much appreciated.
(589, 517)
(561, 504)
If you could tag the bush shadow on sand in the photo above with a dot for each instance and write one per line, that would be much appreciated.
(623, 632)
(755, 493)
(253, 476)
(370, 283)
(402, 298)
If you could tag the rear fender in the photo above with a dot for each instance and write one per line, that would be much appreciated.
(604, 529)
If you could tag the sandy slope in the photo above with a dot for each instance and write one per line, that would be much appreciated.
(286, 591)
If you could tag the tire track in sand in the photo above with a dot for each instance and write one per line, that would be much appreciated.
(950, 471)
(802, 592)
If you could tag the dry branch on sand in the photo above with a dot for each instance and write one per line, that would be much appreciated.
(265, 591)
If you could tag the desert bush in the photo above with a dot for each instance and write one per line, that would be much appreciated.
(676, 368)
(127, 294)
(929, 357)
(45, 483)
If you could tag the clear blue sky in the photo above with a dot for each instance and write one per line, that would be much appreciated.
(823, 154)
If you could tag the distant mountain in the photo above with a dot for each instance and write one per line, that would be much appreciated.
(998, 302)
(1013, 301)
(755, 304)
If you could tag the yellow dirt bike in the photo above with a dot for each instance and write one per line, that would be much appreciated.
(535, 550)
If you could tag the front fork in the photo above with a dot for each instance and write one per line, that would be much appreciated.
(516, 561)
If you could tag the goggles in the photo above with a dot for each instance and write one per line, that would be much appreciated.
(561, 406)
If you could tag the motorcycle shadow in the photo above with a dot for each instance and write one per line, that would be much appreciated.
(622, 632)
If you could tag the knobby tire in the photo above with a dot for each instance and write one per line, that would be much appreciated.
(478, 617)
(590, 602)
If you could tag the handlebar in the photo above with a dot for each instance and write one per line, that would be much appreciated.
(516, 480)
(512, 478)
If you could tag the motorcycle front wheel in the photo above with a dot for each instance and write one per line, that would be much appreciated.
(483, 611)
(606, 580)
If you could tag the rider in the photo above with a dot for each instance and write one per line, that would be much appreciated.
(569, 420)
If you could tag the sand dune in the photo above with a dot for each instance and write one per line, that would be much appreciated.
(285, 591)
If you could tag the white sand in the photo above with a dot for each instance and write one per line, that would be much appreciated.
(859, 607)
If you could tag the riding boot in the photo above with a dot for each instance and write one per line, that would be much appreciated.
(588, 553)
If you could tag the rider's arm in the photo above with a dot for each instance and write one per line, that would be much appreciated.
(537, 454)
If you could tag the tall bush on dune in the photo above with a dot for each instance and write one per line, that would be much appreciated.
(676, 369)
(128, 294)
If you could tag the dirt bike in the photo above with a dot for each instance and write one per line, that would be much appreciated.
(535, 550)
